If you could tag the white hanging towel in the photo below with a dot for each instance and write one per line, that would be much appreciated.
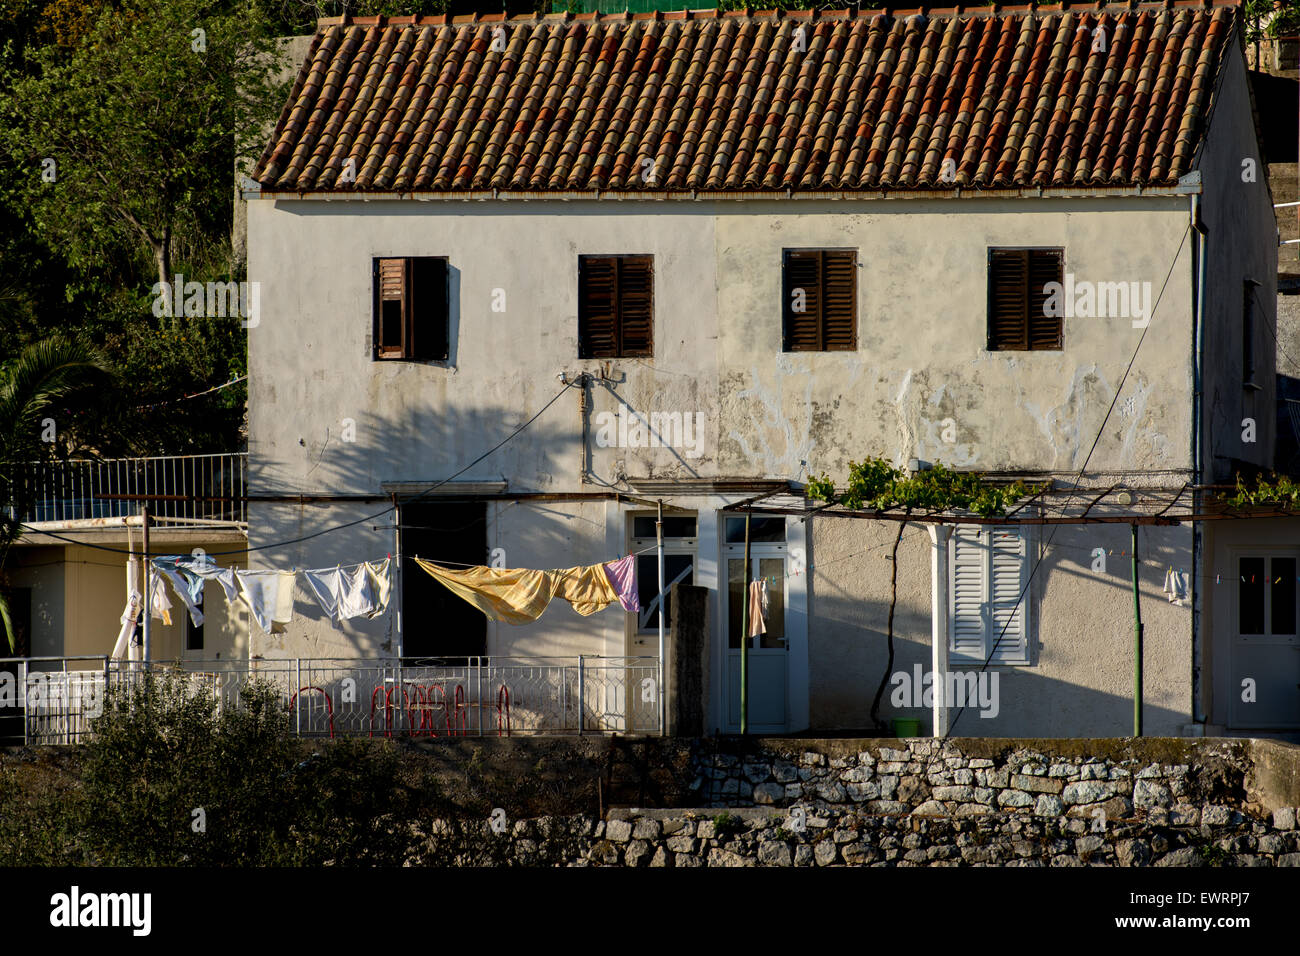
(1176, 586)
(381, 584)
(181, 587)
(223, 576)
(346, 593)
(269, 596)
(160, 605)
(324, 586)
(134, 602)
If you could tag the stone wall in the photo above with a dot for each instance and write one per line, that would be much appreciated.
(921, 802)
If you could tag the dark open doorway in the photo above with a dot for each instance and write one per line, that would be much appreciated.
(437, 626)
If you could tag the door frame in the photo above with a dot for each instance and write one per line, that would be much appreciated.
(1235, 554)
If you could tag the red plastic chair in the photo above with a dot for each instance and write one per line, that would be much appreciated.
(503, 698)
(329, 704)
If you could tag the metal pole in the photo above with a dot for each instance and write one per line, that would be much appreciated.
(582, 693)
(744, 638)
(148, 593)
(1137, 643)
(659, 540)
(397, 546)
(297, 689)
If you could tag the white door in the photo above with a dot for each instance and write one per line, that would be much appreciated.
(1265, 655)
(768, 652)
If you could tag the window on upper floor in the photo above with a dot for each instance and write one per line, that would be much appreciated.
(819, 308)
(412, 309)
(615, 306)
(988, 595)
(1018, 308)
(1249, 314)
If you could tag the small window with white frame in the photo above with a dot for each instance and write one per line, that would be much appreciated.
(767, 563)
(988, 600)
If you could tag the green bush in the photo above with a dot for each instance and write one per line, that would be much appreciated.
(170, 779)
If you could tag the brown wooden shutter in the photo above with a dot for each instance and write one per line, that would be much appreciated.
(429, 315)
(1018, 281)
(597, 307)
(392, 307)
(1008, 299)
(1044, 330)
(802, 329)
(636, 306)
(839, 300)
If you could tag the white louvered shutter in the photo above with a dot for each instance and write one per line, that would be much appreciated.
(1006, 609)
(967, 580)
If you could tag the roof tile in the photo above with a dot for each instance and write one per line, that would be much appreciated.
(801, 101)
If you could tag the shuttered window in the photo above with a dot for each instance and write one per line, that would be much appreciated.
(412, 309)
(1018, 299)
(820, 294)
(988, 619)
(615, 306)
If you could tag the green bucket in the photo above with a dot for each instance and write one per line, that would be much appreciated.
(907, 727)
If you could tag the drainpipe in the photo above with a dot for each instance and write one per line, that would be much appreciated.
(1199, 235)
(1137, 642)
(583, 380)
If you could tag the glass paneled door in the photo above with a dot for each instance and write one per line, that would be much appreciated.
(768, 650)
(1265, 689)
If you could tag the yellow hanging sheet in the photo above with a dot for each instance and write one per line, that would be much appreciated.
(520, 595)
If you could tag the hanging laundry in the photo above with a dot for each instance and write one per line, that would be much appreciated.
(269, 596)
(381, 585)
(758, 607)
(134, 604)
(518, 596)
(1176, 586)
(160, 606)
(350, 592)
(622, 575)
(187, 585)
(208, 571)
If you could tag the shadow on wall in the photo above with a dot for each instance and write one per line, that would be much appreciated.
(355, 454)
(848, 651)
(436, 526)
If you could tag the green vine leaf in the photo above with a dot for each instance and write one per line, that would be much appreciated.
(876, 484)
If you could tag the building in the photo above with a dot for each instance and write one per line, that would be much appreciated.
(717, 254)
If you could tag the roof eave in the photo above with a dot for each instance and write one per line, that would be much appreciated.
(1183, 187)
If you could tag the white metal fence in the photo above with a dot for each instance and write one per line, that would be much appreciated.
(196, 487)
(54, 700)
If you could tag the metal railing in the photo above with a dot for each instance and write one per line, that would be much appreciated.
(195, 487)
(54, 700)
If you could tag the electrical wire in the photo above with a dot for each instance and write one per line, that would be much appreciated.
(1119, 389)
(324, 531)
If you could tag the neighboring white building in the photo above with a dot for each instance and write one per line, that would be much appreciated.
(786, 242)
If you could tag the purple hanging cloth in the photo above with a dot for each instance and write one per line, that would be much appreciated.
(622, 577)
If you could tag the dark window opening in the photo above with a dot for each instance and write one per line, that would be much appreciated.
(193, 633)
(819, 305)
(615, 306)
(412, 309)
(437, 625)
(1020, 302)
(644, 527)
(1248, 334)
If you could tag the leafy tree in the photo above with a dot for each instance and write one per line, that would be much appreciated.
(875, 484)
(153, 99)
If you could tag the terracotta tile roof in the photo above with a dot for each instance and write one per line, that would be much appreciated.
(752, 102)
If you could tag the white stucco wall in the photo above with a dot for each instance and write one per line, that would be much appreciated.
(921, 356)
(921, 361)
